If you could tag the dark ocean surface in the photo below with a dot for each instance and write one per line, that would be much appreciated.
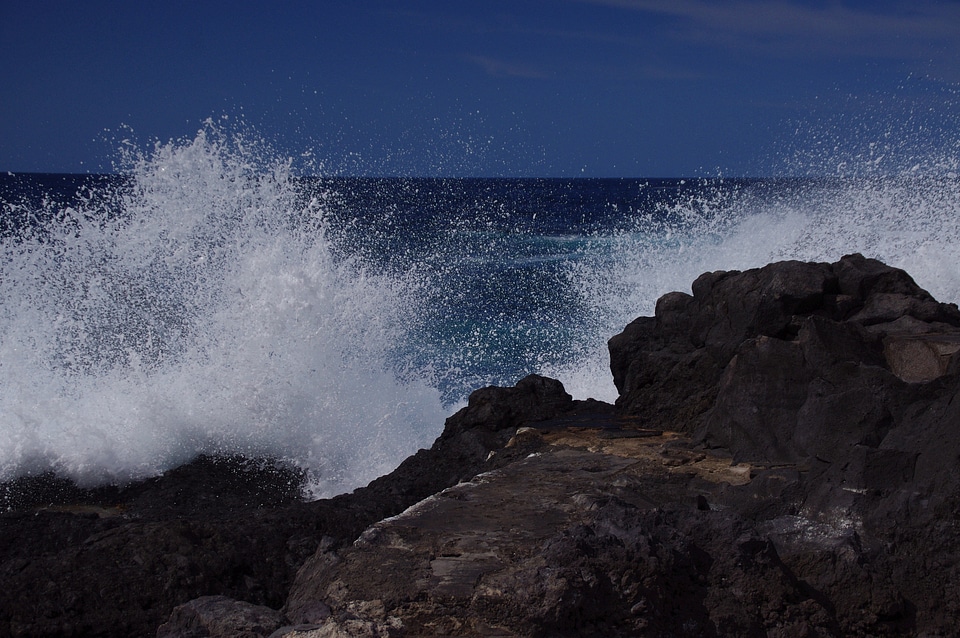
(211, 300)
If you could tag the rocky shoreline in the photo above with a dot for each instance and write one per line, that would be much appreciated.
(783, 460)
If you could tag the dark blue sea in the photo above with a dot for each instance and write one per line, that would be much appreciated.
(211, 299)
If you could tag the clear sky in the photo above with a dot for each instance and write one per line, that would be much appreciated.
(601, 88)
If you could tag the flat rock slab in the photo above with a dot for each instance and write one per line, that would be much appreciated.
(476, 544)
(655, 453)
(445, 544)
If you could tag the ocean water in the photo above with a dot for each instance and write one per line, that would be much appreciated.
(212, 299)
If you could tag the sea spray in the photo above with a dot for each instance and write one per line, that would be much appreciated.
(202, 311)
(908, 221)
(883, 183)
(214, 300)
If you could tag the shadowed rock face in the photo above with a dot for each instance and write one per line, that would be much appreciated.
(116, 561)
(671, 367)
(783, 460)
(790, 363)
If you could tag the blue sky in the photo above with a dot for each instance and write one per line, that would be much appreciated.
(600, 88)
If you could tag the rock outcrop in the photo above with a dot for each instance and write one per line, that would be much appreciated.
(838, 384)
(783, 460)
(844, 371)
(116, 561)
(785, 445)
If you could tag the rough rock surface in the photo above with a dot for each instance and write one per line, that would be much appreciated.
(571, 540)
(783, 460)
(220, 617)
(116, 561)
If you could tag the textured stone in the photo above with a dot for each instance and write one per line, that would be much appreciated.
(920, 358)
(220, 617)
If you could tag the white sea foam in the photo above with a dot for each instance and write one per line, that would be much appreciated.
(206, 315)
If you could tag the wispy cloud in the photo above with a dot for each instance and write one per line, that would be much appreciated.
(503, 68)
(787, 28)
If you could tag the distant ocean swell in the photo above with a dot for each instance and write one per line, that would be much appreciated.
(212, 301)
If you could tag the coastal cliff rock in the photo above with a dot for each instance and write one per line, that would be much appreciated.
(669, 367)
(845, 371)
(116, 561)
(783, 460)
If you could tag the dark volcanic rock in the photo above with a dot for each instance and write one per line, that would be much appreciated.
(844, 379)
(220, 617)
(811, 489)
(772, 341)
(115, 562)
(844, 371)
(566, 542)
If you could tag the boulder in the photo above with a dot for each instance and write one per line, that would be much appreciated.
(786, 363)
(220, 617)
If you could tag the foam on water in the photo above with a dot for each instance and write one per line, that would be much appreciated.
(200, 309)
